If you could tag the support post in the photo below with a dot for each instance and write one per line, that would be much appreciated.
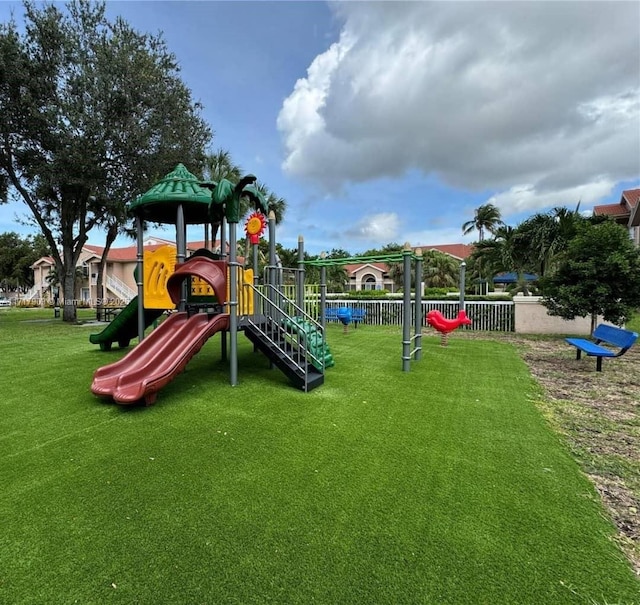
(463, 267)
(140, 276)
(406, 309)
(223, 238)
(418, 309)
(256, 278)
(233, 306)
(272, 274)
(181, 245)
(300, 274)
(323, 294)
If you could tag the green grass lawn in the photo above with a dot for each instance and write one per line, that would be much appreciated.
(441, 485)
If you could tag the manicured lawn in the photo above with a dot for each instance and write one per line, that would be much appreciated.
(441, 485)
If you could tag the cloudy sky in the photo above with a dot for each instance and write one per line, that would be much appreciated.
(393, 121)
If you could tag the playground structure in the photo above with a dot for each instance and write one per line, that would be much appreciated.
(409, 319)
(211, 294)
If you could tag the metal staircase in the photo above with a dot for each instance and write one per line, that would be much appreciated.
(280, 330)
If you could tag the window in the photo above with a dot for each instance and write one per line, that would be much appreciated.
(369, 282)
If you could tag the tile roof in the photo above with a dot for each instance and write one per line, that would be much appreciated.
(611, 210)
(459, 251)
(623, 209)
(130, 253)
(632, 197)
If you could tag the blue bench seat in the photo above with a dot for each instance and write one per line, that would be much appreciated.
(607, 335)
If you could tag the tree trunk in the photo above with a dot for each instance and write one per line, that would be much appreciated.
(594, 321)
(112, 233)
(69, 294)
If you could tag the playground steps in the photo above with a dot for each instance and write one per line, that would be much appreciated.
(279, 351)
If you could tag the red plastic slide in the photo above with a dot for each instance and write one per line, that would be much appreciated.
(158, 359)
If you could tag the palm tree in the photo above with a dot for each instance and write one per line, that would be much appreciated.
(487, 218)
(440, 270)
(219, 166)
(505, 252)
(275, 203)
(546, 236)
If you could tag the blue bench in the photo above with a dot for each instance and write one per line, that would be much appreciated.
(358, 315)
(608, 335)
(331, 314)
(335, 314)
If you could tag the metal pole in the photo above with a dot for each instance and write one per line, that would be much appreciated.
(233, 306)
(418, 310)
(255, 278)
(406, 310)
(271, 278)
(300, 274)
(463, 267)
(181, 244)
(272, 251)
(323, 293)
(140, 276)
(223, 238)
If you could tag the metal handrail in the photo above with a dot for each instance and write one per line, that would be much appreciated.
(116, 285)
(276, 329)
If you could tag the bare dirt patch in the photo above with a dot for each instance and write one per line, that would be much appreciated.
(598, 413)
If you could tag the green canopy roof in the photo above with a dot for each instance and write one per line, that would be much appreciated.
(160, 203)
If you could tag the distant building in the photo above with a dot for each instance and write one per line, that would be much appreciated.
(626, 212)
(118, 280)
(375, 276)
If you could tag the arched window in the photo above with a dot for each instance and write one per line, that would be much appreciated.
(369, 282)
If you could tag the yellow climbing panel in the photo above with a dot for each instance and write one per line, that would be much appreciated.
(158, 266)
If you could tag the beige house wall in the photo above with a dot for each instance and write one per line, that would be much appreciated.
(358, 278)
(532, 318)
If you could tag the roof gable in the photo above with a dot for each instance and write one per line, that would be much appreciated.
(631, 197)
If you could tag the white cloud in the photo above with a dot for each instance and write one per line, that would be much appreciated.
(483, 95)
(521, 198)
(433, 237)
(378, 228)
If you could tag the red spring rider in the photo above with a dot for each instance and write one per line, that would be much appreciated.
(439, 322)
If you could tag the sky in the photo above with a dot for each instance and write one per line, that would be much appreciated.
(384, 122)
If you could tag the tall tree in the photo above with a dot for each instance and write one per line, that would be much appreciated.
(486, 218)
(546, 236)
(505, 252)
(600, 275)
(17, 254)
(92, 113)
(440, 270)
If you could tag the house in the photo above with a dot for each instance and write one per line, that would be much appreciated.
(375, 276)
(118, 280)
(369, 276)
(626, 212)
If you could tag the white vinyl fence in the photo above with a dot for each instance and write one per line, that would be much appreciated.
(485, 315)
